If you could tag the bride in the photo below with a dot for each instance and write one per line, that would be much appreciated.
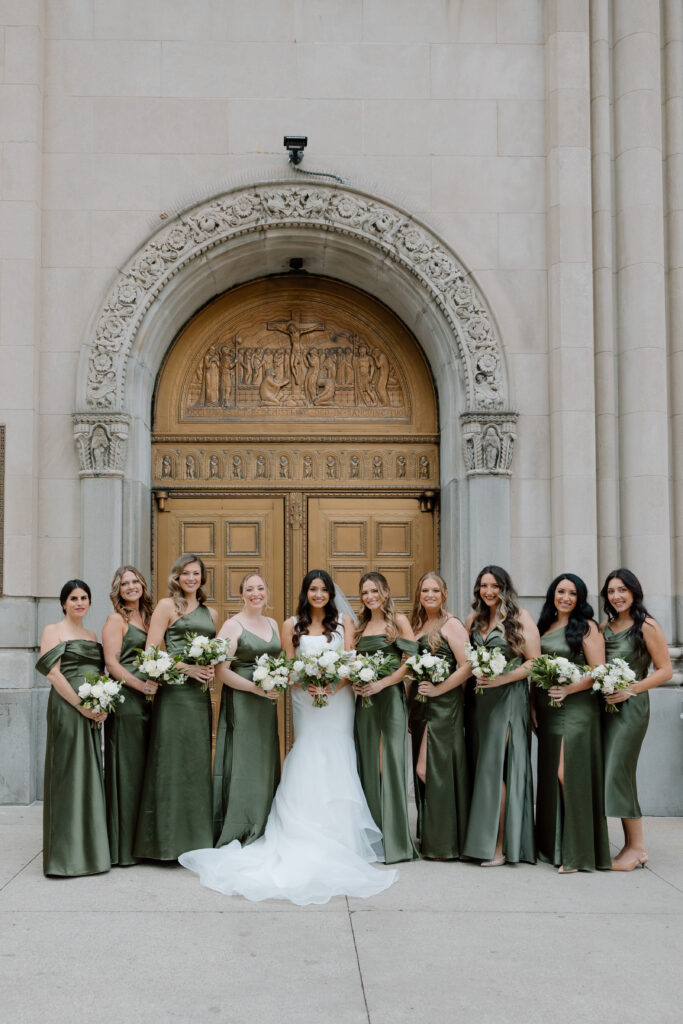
(320, 838)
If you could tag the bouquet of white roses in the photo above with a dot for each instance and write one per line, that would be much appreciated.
(487, 663)
(159, 666)
(199, 649)
(325, 668)
(272, 672)
(612, 677)
(100, 693)
(431, 667)
(547, 671)
(367, 668)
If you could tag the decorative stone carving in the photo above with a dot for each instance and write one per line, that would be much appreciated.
(488, 443)
(102, 444)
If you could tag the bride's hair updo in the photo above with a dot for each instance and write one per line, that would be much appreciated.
(303, 608)
(388, 607)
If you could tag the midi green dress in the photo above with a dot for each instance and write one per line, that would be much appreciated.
(246, 769)
(386, 721)
(175, 807)
(500, 751)
(126, 738)
(443, 799)
(74, 815)
(570, 832)
(623, 733)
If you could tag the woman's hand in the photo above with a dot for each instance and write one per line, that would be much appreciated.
(148, 687)
(268, 694)
(490, 684)
(94, 716)
(558, 693)
(619, 697)
(200, 673)
(428, 689)
(369, 689)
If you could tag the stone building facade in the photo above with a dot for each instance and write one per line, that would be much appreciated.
(507, 179)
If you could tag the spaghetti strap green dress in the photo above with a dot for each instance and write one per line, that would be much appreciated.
(623, 733)
(74, 816)
(443, 799)
(571, 832)
(175, 807)
(246, 768)
(497, 715)
(126, 737)
(386, 720)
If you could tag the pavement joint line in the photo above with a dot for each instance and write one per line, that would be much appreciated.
(360, 970)
(22, 868)
(555, 912)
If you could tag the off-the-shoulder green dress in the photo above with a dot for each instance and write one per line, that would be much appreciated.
(74, 816)
(623, 733)
(386, 721)
(443, 799)
(175, 808)
(126, 737)
(246, 768)
(571, 832)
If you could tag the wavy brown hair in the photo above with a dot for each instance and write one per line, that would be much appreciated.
(508, 609)
(388, 610)
(145, 602)
(418, 615)
(175, 591)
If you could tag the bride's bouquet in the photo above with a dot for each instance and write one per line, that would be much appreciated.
(199, 649)
(430, 667)
(547, 671)
(272, 672)
(100, 693)
(368, 668)
(325, 668)
(613, 676)
(488, 664)
(159, 666)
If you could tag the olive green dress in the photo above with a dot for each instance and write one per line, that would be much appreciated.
(443, 799)
(386, 720)
(246, 769)
(126, 738)
(623, 733)
(175, 807)
(570, 832)
(499, 713)
(74, 815)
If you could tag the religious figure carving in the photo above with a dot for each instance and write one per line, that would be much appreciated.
(312, 374)
(190, 468)
(270, 391)
(377, 467)
(228, 360)
(307, 467)
(331, 467)
(213, 467)
(210, 378)
(237, 469)
(491, 446)
(364, 373)
(166, 467)
(297, 361)
(423, 467)
(401, 466)
(284, 467)
(99, 445)
(382, 376)
(354, 467)
(260, 467)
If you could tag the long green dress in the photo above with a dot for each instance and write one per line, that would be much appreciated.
(497, 713)
(246, 768)
(175, 807)
(74, 815)
(623, 733)
(386, 720)
(571, 832)
(443, 799)
(126, 738)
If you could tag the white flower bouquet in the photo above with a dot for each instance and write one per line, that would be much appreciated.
(613, 676)
(199, 649)
(427, 666)
(547, 671)
(159, 666)
(325, 668)
(100, 693)
(272, 672)
(488, 663)
(368, 668)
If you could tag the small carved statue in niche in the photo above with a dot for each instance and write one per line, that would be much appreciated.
(331, 467)
(401, 467)
(470, 453)
(99, 448)
(228, 360)
(354, 467)
(423, 467)
(190, 468)
(213, 467)
(166, 468)
(491, 448)
(237, 470)
(284, 467)
(308, 467)
(382, 377)
(377, 467)
(365, 367)
(260, 467)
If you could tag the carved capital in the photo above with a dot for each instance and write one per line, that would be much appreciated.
(488, 443)
(101, 442)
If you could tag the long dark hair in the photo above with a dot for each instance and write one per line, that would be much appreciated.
(637, 611)
(508, 608)
(580, 616)
(303, 608)
(68, 587)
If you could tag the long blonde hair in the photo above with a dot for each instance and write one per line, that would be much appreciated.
(388, 609)
(145, 602)
(175, 591)
(418, 616)
(508, 608)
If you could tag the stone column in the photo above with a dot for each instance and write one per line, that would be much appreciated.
(488, 441)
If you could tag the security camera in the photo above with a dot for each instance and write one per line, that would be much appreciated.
(295, 145)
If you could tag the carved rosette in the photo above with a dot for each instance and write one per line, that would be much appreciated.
(488, 443)
(320, 207)
(102, 443)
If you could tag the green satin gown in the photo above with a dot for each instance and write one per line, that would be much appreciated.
(443, 799)
(571, 832)
(386, 720)
(74, 815)
(126, 738)
(623, 733)
(175, 807)
(246, 768)
(500, 712)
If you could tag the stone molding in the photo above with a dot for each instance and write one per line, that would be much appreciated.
(488, 443)
(102, 443)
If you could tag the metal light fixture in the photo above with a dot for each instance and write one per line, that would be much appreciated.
(295, 145)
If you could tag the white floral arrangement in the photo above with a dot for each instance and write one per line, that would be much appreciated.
(430, 667)
(158, 665)
(547, 671)
(325, 668)
(199, 649)
(272, 672)
(613, 676)
(100, 693)
(368, 668)
(486, 663)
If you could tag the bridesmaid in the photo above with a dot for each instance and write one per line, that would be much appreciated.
(175, 807)
(571, 829)
(381, 730)
(632, 634)
(127, 733)
(437, 727)
(501, 822)
(247, 765)
(74, 815)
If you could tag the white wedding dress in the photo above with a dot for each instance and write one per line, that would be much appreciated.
(320, 838)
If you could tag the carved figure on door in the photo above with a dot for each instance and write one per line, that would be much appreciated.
(401, 466)
(213, 467)
(284, 467)
(166, 468)
(308, 467)
(382, 376)
(365, 368)
(190, 468)
(228, 360)
(260, 467)
(354, 467)
(331, 467)
(237, 469)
